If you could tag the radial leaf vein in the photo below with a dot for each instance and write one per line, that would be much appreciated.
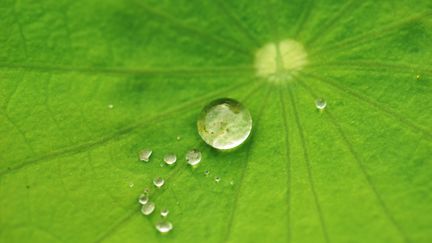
(288, 162)
(171, 177)
(238, 23)
(371, 65)
(359, 164)
(373, 104)
(183, 107)
(304, 17)
(182, 71)
(243, 172)
(308, 165)
(176, 23)
(327, 27)
(368, 37)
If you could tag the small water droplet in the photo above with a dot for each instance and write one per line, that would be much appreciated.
(131, 184)
(145, 154)
(148, 208)
(170, 159)
(193, 157)
(158, 182)
(320, 103)
(143, 199)
(232, 183)
(206, 172)
(418, 77)
(164, 227)
(146, 191)
(217, 179)
(110, 106)
(224, 124)
(164, 212)
(178, 138)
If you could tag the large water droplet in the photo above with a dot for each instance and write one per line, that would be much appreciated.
(148, 208)
(224, 124)
(164, 227)
(170, 159)
(164, 212)
(158, 182)
(143, 199)
(320, 104)
(145, 154)
(193, 157)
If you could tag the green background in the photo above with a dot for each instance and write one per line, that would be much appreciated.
(358, 172)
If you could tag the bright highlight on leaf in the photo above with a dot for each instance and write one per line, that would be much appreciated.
(278, 62)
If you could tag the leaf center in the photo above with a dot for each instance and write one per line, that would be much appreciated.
(277, 62)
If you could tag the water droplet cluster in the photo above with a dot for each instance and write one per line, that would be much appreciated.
(148, 207)
(223, 124)
(192, 157)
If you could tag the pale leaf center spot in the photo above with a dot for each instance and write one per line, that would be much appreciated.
(277, 62)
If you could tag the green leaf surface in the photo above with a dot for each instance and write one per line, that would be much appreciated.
(86, 84)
